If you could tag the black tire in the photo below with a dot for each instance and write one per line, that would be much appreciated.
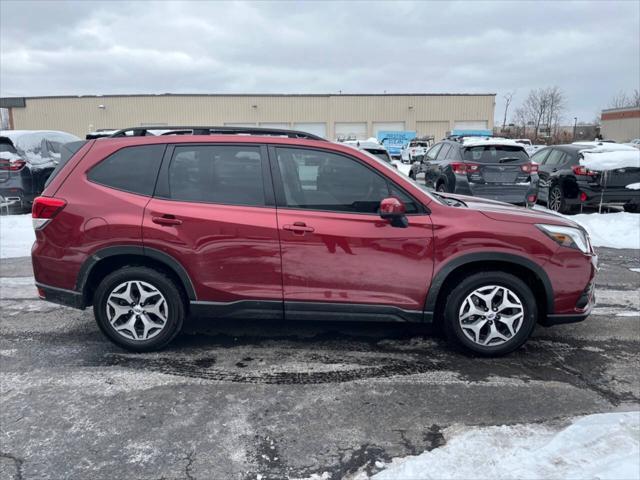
(165, 285)
(631, 208)
(412, 174)
(459, 293)
(560, 205)
(441, 187)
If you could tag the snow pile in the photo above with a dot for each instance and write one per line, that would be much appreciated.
(607, 160)
(16, 236)
(603, 446)
(614, 230)
(633, 186)
(480, 141)
(403, 168)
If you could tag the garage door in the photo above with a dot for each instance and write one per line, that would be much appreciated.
(470, 125)
(355, 130)
(319, 129)
(387, 127)
(436, 129)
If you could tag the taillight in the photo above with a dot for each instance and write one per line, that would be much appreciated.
(12, 165)
(44, 209)
(582, 170)
(529, 168)
(462, 168)
(583, 197)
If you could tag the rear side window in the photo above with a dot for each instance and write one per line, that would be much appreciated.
(67, 150)
(224, 174)
(443, 151)
(132, 169)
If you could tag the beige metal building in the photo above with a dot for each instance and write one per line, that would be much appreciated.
(620, 124)
(330, 116)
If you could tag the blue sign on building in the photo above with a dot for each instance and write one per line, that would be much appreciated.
(395, 141)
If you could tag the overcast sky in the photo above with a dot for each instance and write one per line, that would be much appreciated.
(589, 49)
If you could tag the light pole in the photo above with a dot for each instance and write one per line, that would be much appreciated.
(575, 124)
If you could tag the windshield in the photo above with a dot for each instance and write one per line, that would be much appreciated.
(494, 154)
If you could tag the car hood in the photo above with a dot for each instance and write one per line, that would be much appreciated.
(505, 212)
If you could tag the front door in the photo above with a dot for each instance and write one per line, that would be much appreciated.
(214, 213)
(339, 258)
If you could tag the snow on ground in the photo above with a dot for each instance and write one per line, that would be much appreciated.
(402, 167)
(613, 230)
(16, 236)
(603, 446)
(635, 270)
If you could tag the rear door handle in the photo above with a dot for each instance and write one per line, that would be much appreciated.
(298, 227)
(166, 220)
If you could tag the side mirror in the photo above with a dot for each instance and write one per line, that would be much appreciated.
(394, 210)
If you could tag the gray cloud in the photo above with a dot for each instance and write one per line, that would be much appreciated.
(591, 50)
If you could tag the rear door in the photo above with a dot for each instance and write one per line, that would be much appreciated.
(543, 173)
(337, 252)
(497, 164)
(214, 212)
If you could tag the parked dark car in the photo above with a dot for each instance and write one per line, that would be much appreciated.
(27, 158)
(374, 148)
(150, 229)
(565, 185)
(497, 169)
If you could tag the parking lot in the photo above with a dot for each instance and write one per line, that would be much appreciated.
(254, 400)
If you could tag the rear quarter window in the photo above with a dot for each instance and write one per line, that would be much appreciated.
(132, 169)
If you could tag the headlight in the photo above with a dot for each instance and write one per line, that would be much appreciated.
(567, 236)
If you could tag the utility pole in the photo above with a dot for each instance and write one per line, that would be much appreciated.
(575, 124)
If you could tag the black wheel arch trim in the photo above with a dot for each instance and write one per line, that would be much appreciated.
(440, 278)
(164, 258)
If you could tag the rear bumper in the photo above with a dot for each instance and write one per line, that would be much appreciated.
(611, 195)
(509, 193)
(68, 298)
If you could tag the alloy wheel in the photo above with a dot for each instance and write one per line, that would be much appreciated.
(491, 315)
(555, 199)
(137, 310)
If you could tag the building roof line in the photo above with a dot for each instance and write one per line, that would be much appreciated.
(326, 95)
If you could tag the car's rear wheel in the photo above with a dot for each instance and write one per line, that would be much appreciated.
(490, 313)
(441, 187)
(557, 201)
(631, 207)
(139, 308)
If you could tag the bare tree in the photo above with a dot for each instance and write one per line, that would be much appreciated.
(622, 100)
(508, 97)
(543, 106)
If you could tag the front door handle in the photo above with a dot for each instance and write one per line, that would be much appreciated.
(298, 228)
(166, 220)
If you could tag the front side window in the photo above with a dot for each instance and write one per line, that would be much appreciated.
(230, 175)
(431, 154)
(132, 169)
(320, 180)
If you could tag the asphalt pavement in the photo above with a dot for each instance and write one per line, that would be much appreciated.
(261, 400)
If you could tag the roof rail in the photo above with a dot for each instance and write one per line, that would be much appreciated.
(188, 130)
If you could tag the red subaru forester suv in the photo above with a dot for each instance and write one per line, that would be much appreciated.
(275, 224)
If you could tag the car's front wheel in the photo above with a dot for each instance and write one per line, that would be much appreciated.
(490, 313)
(139, 308)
